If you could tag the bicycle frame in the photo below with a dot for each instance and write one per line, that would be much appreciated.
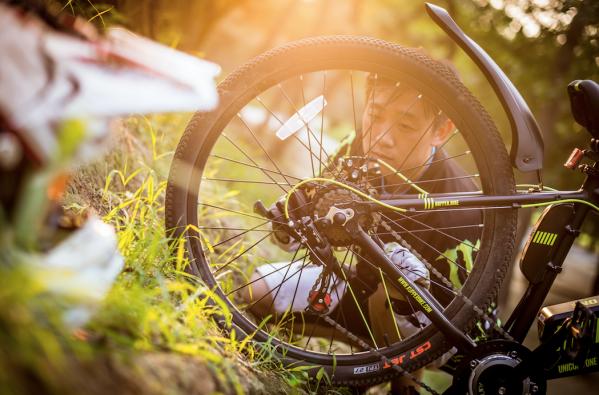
(454, 201)
(541, 276)
(526, 155)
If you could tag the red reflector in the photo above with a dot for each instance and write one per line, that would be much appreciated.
(574, 159)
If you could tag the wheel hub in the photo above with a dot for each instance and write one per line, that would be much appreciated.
(335, 197)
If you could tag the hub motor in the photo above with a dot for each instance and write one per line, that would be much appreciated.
(494, 369)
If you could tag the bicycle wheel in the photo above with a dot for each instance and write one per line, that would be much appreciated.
(285, 116)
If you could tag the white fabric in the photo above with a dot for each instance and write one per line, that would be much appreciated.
(283, 279)
(47, 76)
(277, 274)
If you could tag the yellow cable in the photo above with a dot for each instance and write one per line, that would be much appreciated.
(403, 210)
(390, 305)
(561, 201)
(342, 185)
(406, 179)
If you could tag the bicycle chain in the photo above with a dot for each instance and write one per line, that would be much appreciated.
(445, 281)
(448, 283)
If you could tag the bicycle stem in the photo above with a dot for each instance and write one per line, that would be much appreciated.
(424, 300)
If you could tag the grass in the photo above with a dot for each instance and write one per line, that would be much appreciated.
(154, 311)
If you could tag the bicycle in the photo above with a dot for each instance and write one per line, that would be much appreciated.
(341, 211)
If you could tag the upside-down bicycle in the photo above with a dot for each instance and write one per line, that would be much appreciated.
(282, 129)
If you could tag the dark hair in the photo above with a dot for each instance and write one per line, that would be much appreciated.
(375, 80)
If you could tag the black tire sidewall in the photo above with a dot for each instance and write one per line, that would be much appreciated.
(425, 75)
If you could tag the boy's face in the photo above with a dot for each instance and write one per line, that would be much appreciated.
(397, 129)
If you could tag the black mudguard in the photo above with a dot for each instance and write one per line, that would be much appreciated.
(527, 142)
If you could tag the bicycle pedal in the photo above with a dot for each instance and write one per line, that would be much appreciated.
(550, 318)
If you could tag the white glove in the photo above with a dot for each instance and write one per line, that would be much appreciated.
(407, 262)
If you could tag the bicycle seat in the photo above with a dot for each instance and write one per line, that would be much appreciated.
(584, 103)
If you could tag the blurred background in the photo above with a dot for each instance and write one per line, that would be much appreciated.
(542, 45)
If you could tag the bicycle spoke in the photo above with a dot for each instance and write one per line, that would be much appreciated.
(266, 275)
(390, 305)
(251, 160)
(309, 149)
(241, 234)
(238, 212)
(284, 277)
(306, 125)
(262, 147)
(227, 228)
(439, 231)
(301, 78)
(375, 267)
(334, 288)
(424, 162)
(280, 184)
(353, 101)
(467, 152)
(434, 162)
(253, 166)
(295, 294)
(411, 151)
(324, 86)
(371, 146)
(369, 131)
(420, 182)
(312, 332)
(430, 246)
(243, 252)
(356, 302)
(428, 128)
(280, 285)
(429, 230)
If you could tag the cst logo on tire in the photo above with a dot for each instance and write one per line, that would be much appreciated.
(366, 369)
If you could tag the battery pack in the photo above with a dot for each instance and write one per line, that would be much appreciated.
(551, 317)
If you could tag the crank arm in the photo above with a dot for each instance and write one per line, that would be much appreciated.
(424, 300)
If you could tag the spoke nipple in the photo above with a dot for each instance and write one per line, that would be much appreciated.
(513, 354)
(473, 363)
(501, 390)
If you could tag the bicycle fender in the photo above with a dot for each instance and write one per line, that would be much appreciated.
(527, 142)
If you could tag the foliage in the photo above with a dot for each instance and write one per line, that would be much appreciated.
(154, 306)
